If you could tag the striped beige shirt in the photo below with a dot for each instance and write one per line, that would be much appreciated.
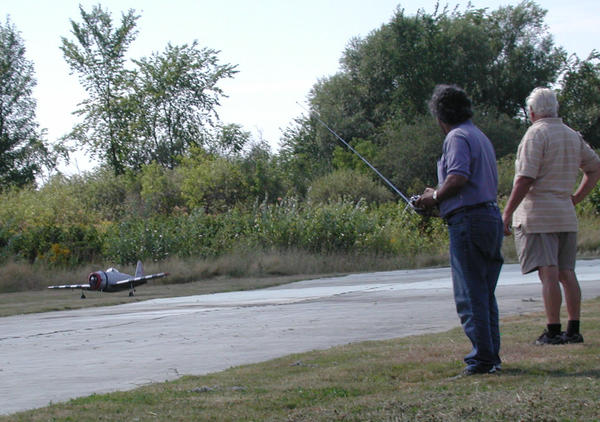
(551, 153)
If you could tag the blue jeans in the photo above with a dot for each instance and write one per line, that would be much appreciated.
(476, 259)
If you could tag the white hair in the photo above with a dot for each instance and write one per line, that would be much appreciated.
(543, 102)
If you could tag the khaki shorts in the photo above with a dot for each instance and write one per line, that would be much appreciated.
(545, 249)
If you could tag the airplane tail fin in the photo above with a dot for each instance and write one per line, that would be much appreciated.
(139, 270)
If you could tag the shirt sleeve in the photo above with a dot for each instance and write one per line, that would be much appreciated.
(529, 156)
(458, 155)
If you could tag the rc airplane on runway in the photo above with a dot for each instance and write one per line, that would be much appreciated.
(112, 280)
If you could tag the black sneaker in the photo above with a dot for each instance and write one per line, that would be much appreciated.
(547, 338)
(467, 372)
(575, 338)
(496, 370)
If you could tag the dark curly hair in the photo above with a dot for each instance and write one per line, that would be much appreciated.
(450, 104)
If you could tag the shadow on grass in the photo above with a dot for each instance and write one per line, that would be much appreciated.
(554, 373)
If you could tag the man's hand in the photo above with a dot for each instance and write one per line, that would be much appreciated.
(507, 220)
(426, 199)
(520, 188)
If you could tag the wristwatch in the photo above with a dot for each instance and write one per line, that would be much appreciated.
(434, 196)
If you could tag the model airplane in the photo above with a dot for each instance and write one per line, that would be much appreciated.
(112, 280)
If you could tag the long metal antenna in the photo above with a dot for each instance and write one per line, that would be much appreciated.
(394, 188)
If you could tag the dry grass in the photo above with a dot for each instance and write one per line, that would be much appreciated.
(405, 379)
(588, 237)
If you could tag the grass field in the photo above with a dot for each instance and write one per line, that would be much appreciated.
(405, 379)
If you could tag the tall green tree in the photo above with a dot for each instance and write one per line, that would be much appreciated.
(300, 156)
(178, 94)
(97, 55)
(524, 56)
(579, 97)
(23, 153)
(387, 78)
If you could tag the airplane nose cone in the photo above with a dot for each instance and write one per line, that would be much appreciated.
(94, 281)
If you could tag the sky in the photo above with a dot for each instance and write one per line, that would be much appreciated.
(281, 47)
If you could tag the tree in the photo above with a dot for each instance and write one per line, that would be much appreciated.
(264, 177)
(230, 139)
(408, 153)
(497, 57)
(97, 55)
(525, 56)
(178, 93)
(579, 97)
(23, 153)
(302, 156)
(387, 78)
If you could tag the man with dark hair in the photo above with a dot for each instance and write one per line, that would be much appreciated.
(542, 213)
(466, 196)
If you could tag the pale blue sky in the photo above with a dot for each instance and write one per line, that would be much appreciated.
(281, 47)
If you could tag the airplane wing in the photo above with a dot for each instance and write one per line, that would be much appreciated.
(70, 286)
(139, 280)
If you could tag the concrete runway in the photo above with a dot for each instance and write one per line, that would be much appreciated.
(56, 356)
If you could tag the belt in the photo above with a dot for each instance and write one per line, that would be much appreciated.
(490, 204)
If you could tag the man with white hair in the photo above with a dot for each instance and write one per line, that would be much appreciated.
(541, 209)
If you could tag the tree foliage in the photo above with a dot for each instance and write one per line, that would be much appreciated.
(498, 57)
(348, 185)
(23, 153)
(97, 55)
(300, 154)
(265, 179)
(524, 57)
(160, 190)
(151, 110)
(579, 97)
(387, 78)
(211, 182)
(178, 93)
(176, 180)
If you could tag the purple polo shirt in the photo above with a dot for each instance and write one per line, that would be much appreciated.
(468, 152)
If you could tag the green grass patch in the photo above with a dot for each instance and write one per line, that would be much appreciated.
(404, 379)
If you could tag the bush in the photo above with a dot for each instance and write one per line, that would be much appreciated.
(57, 245)
(348, 185)
(157, 238)
(506, 174)
(78, 220)
(160, 190)
(347, 227)
(107, 197)
(213, 183)
(141, 239)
